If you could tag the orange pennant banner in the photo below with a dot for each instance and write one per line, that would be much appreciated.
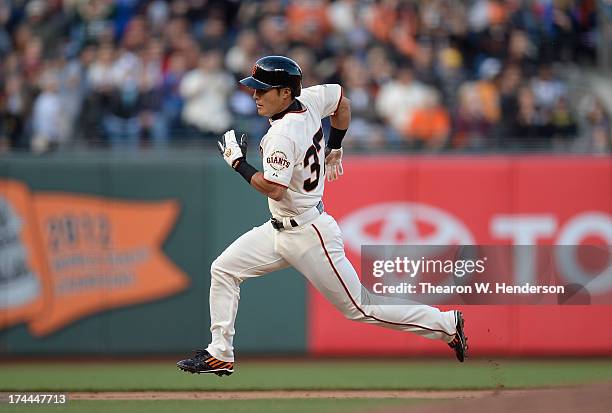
(80, 255)
(22, 284)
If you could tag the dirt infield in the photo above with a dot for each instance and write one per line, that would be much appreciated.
(592, 399)
(297, 394)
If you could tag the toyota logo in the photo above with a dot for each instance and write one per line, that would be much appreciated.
(407, 223)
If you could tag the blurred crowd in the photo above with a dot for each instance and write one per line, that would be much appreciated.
(422, 75)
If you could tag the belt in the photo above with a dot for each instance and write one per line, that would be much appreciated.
(298, 220)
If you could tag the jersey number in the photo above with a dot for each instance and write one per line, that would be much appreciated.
(315, 165)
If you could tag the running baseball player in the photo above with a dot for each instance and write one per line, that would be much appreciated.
(296, 162)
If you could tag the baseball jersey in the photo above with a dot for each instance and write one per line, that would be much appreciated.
(293, 150)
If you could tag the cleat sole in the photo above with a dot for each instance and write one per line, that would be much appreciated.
(220, 372)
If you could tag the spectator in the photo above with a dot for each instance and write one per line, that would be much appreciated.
(124, 101)
(424, 70)
(530, 127)
(15, 100)
(487, 89)
(563, 126)
(429, 127)
(558, 24)
(364, 121)
(472, 129)
(240, 57)
(46, 21)
(509, 84)
(398, 99)
(5, 37)
(308, 22)
(451, 72)
(214, 34)
(392, 22)
(273, 32)
(100, 83)
(158, 13)
(459, 50)
(136, 35)
(379, 65)
(492, 39)
(547, 89)
(122, 125)
(32, 59)
(206, 90)
(92, 22)
(73, 87)
(596, 133)
(172, 100)
(522, 52)
(153, 119)
(307, 61)
(342, 16)
(49, 120)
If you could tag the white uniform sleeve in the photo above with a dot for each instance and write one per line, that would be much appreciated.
(325, 98)
(278, 159)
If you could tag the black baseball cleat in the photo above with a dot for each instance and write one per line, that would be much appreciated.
(459, 342)
(203, 362)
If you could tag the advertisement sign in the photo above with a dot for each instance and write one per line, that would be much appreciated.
(493, 201)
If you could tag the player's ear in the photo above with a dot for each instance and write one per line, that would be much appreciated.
(286, 93)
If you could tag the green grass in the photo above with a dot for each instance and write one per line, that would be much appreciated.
(304, 375)
(218, 406)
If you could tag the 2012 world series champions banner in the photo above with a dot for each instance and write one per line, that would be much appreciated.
(64, 256)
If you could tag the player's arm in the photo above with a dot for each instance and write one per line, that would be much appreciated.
(234, 152)
(340, 121)
(341, 118)
(268, 188)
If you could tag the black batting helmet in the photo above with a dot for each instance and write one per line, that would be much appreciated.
(275, 72)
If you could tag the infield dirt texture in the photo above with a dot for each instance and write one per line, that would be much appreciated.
(322, 386)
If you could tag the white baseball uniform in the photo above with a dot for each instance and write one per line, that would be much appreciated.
(311, 241)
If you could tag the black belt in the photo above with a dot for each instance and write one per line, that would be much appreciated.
(278, 224)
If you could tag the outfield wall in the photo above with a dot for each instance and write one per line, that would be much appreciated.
(110, 255)
(85, 217)
(476, 200)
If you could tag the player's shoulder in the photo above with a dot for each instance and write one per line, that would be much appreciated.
(321, 98)
(284, 128)
(291, 125)
(289, 134)
(319, 90)
(279, 133)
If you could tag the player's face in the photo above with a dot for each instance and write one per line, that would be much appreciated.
(272, 101)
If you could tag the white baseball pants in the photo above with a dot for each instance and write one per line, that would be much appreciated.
(316, 250)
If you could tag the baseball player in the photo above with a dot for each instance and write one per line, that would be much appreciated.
(296, 161)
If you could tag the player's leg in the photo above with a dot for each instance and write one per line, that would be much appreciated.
(251, 255)
(318, 253)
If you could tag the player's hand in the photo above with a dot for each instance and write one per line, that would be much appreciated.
(233, 150)
(333, 164)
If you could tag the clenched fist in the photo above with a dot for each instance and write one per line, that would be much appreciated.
(231, 149)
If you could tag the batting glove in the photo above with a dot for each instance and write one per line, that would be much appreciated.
(233, 151)
(333, 164)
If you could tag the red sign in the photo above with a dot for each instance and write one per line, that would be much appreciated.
(530, 200)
